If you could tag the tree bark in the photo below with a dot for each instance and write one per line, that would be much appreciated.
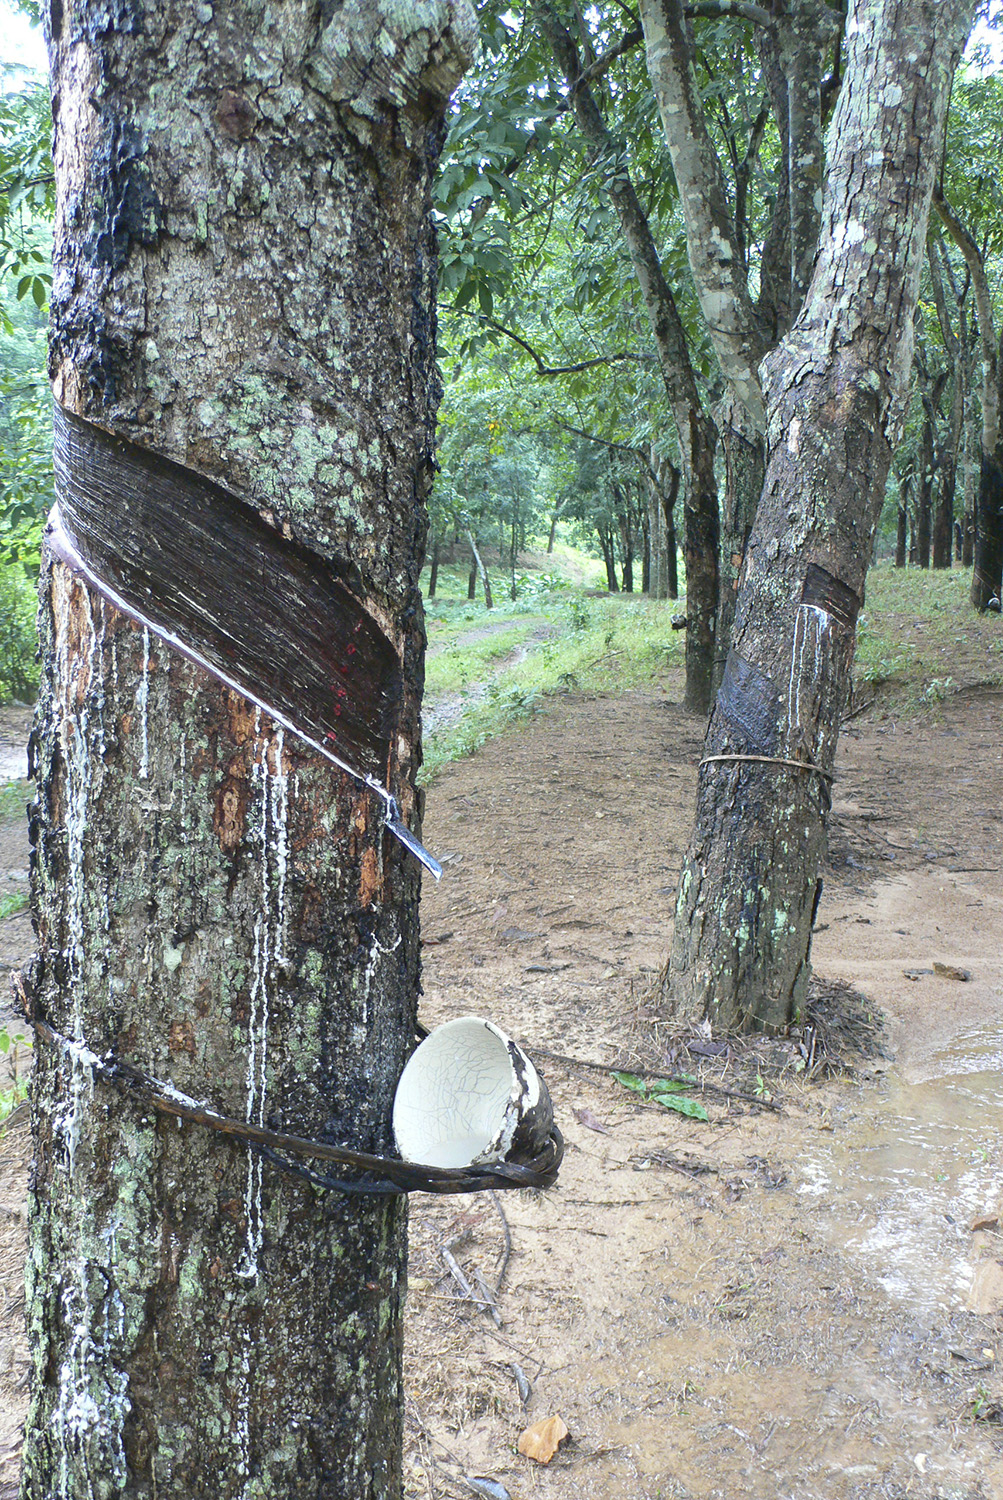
(482, 573)
(244, 276)
(943, 527)
(834, 391)
(743, 484)
(696, 432)
(902, 530)
(987, 569)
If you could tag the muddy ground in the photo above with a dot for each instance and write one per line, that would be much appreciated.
(787, 1301)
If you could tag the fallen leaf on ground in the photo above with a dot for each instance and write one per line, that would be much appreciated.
(542, 1440)
(588, 1119)
(950, 971)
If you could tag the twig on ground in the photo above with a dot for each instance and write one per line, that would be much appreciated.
(639, 1072)
(481, 1296)
(507, 1251)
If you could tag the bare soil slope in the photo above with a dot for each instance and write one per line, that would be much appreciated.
(788, 1301)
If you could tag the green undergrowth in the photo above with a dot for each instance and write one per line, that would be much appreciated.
(14, 799)
(16, 1048)
(919, 640)
(458, 660)
(597, 645)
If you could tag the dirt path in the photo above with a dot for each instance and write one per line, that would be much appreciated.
(770, 1305)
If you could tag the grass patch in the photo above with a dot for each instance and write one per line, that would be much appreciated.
(14, 799)
(599, 646)
(454, 660)
(919, 640)
(11, 905)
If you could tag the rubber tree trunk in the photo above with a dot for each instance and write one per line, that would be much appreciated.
(924, 499)
(902, 528)
(834, 392)
(743, 452)
(244, 281)
(695, 430)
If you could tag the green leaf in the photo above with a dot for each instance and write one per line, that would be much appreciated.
(682, 1105)
(631, 1081)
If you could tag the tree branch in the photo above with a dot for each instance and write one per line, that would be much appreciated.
(603, 63)
(736, 8)
(601, 442)
(987, 326)
(541, 367)
(711, 235)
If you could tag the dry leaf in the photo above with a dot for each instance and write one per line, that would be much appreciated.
(587, 1118)
(542, 1440)
(951, 971)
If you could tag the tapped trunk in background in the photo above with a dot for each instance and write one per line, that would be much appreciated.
(244, 277)
(834, 391)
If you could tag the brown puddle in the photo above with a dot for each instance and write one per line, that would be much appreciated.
(903, 1179)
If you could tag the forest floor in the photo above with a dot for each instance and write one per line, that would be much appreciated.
(789, 1300)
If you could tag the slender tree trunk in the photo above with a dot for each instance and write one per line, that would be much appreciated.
(924, 505)
(609, 558)
(481, 572)
(244, 274)
(902, 533)
(943, 527)
(834, 388)
(987, 560)
(743, 485)
(671, 541)
(696, 432)
(433, 571)
(644, 521)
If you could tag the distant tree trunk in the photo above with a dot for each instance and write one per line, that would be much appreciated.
(743, 484)
(943, 527)
(623, 521)
(609, 558)
(695, 430)
(924, 505)
(987, 569)
(671, 542)
(243, 243)
(433, 571)
(834, 392)
(555, 517)
(644, 524)
(481, 572)
(472, 576)
(902, 533)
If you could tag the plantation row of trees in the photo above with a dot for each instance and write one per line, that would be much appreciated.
(687, 244)
(562, 232)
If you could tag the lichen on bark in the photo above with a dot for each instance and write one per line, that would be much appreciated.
(244, 281)
(834, 391)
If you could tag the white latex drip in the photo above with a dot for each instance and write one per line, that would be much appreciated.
(91, 1429)
(269, 952)
(143, 703)
(77, 753)
(811, 630)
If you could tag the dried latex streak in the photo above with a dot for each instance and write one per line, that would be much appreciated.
(206, 573)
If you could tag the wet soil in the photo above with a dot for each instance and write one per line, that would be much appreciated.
(770, 1304)
(786, 1301)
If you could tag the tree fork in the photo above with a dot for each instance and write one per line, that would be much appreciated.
(834, 392)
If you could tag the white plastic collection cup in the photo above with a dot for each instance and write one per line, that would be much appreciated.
(470, 1096)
